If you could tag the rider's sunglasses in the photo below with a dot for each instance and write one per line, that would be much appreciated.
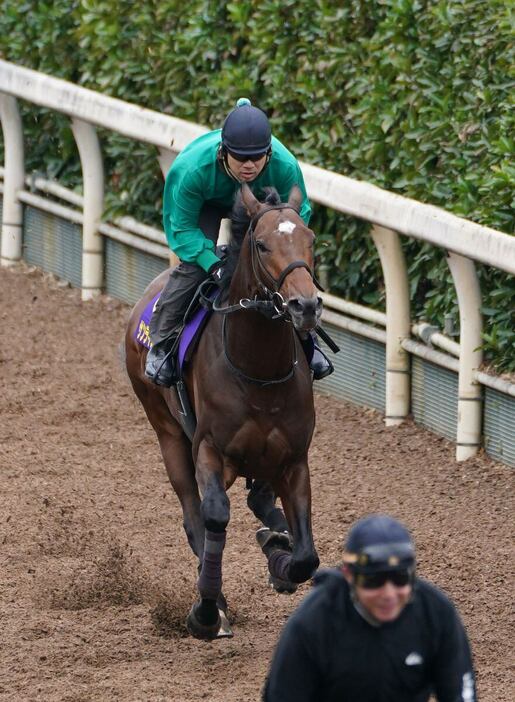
(373, 581)
(247, 157)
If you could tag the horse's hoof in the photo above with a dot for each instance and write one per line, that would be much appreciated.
(283, 587)
(199, 630)
(220, 629)
(225, 631)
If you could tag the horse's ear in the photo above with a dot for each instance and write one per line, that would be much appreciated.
(251, 203)
(295, 198)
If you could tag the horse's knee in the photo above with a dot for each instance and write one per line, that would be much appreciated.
(215, 508)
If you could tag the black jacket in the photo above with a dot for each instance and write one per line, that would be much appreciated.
(328, 653)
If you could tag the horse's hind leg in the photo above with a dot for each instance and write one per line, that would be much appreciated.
(176, 452)
(262, 501)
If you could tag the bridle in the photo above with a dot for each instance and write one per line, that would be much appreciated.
(273, 305)
(258, 266)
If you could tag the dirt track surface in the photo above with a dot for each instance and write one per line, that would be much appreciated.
(96, 575)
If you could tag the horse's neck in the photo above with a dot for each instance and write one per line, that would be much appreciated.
(259, 346)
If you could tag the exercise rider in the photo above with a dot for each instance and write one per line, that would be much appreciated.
(199, 192)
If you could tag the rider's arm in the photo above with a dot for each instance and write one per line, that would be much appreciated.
(453, 672)
(182, 202)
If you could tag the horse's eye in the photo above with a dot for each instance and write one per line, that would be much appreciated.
(260, 246)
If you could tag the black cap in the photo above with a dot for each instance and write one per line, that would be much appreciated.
(246, 130)
(377, 543)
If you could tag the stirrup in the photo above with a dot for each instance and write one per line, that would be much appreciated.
(159, 367)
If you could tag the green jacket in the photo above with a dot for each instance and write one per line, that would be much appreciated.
(196, 177)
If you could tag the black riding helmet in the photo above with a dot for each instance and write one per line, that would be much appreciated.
(246, 130)
(379, 543)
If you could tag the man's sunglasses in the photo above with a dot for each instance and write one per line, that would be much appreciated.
(248, 157)
(373, 581)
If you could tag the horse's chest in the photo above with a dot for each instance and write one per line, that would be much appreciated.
(267, 411)
(260, 445)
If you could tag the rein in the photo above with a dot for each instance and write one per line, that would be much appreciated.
(273, 306)
(249, 378)
(256, 257)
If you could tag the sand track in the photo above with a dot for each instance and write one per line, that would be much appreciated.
(96, 575)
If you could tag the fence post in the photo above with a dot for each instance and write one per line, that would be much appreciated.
(468, 431)
(166, 158)
(14, 176)
(93, 184)
(397, 324)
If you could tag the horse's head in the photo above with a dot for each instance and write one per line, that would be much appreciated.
(281, 255)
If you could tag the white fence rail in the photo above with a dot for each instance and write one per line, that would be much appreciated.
(390, 214)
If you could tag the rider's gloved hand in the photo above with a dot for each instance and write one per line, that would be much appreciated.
(216, 271)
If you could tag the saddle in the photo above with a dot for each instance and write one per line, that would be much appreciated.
(188, 339)
(195, 319)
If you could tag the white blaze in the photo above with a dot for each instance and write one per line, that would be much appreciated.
(287, 227)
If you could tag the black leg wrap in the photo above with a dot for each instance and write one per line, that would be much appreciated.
(210, 580)
(279, 564)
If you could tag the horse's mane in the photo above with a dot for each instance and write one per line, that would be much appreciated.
(240, 221)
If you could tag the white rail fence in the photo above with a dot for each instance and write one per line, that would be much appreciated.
(391, 215)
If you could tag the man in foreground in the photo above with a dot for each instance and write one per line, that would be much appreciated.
(371, 631)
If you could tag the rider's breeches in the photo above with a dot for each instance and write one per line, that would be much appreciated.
(175, 298)
(182, 283)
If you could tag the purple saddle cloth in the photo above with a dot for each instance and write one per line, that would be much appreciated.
(189, 335)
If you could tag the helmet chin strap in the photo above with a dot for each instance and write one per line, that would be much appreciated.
(222, 160)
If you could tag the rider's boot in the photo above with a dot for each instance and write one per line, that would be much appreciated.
(159, 366)
(320, 364)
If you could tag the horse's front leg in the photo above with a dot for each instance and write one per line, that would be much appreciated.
(295, 492)
(204, 619)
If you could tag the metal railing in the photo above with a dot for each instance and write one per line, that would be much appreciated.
(390, 214)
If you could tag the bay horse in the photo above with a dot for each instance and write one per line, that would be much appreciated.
(251, 390)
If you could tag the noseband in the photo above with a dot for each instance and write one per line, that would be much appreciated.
(271, 292)
(273, 305)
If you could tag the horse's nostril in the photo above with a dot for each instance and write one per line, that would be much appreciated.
(295, 306)
(304, 306)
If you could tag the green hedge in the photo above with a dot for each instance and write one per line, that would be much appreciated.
(412, 95)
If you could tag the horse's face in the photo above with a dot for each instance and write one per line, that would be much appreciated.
(283, 257)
